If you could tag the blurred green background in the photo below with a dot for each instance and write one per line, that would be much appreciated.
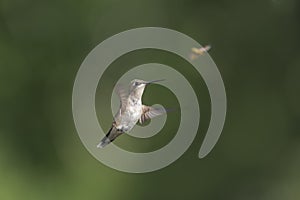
(256, 47)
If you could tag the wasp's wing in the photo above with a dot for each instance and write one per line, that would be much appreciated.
(150, 112)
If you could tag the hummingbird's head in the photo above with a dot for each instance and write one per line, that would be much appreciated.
(139, 85)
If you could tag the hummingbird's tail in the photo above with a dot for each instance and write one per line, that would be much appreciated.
(112, 134)
(105, 141)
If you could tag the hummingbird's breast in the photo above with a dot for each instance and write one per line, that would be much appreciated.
(130, 116)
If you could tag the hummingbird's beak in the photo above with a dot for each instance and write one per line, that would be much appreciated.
(148, 82)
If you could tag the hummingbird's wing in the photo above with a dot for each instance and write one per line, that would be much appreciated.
(149, 112)
(122, 94)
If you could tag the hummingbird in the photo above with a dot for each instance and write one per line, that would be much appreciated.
(131, 110)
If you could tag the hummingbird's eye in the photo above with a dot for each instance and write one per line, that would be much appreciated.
(136, 83)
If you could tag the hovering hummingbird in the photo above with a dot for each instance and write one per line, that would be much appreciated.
(131, 111)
